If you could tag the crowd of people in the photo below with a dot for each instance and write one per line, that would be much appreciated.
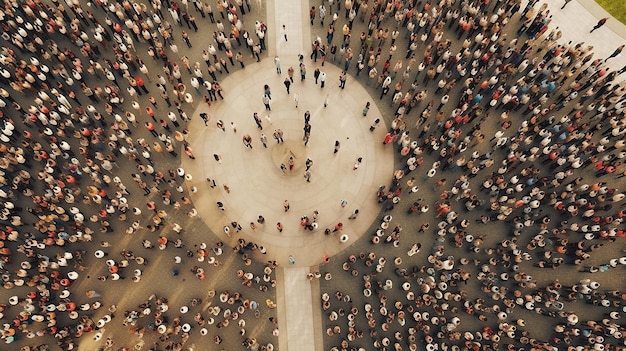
(89, 91)
(93, 96)
(516, 141)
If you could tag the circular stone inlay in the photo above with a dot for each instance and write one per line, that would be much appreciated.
(250, 182)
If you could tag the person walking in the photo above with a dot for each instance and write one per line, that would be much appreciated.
(322, 78)
(615, 53)
(565, 4)
(357, 164)
(312, 14)
(287, 83)
(239, 58)
(354, 214)
(337, 145)
(302, 72)
(247, 141)
(286, 205)
(600, 23)
(205, 118)
(257, 120)
(290, 72)
(267, 91)
(266, 102)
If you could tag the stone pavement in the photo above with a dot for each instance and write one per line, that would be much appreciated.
(576, 20)
(257, 186)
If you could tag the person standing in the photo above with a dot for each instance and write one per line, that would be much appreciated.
(342, 80)
(322, 79)
(308, 163)
(277, 63)
(600, 23)
(322, 11)
(307, 133)
(185, 37)
(307, 176)
(264, 140)
(444, 100)
(286, 205)
(302, 72)
(189, 152)
(150, 126)
(291, 162)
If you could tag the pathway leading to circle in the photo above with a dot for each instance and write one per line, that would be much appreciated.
(250, 181)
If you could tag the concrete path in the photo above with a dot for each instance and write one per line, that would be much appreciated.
(578, 18)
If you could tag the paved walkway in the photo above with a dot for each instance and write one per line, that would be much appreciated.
(576, 20)
(295, 311)
(296, 314)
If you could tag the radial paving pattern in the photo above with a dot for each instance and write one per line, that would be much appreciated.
(256, 184)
